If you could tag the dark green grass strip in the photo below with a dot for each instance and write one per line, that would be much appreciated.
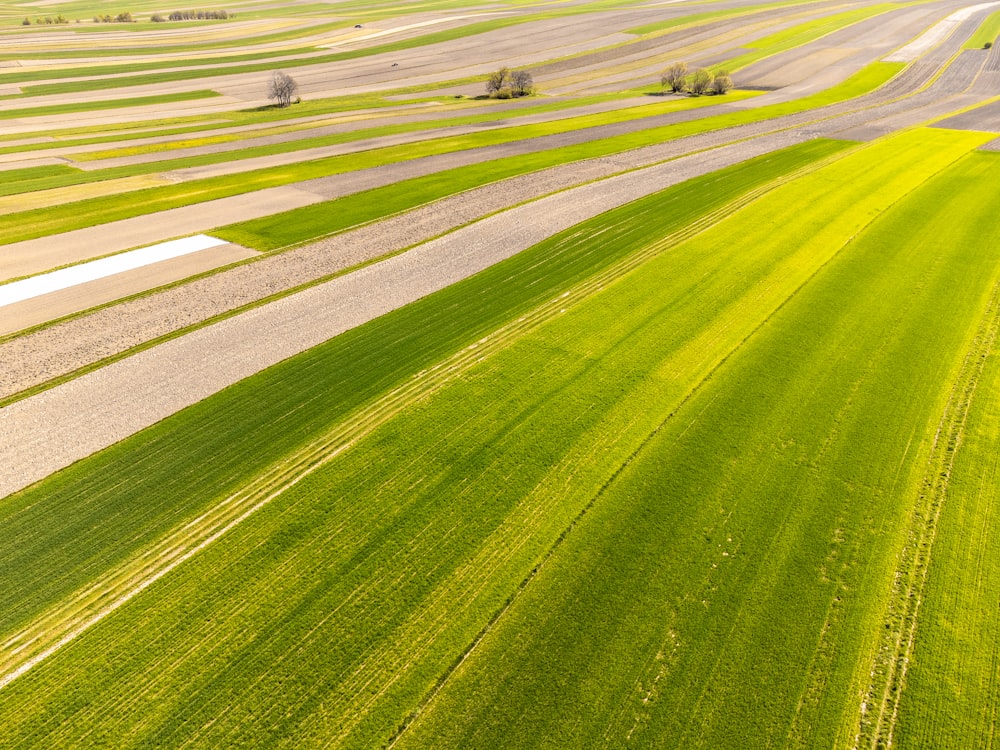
(302, 396)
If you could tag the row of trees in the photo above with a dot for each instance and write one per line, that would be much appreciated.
(506, 83)
(677, 79)
(194, 15)
(125, 17)
(47, 21)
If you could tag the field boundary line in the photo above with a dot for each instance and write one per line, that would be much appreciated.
(888, 677)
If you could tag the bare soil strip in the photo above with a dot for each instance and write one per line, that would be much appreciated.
(64, 278)
(54, 305)
(38, 256)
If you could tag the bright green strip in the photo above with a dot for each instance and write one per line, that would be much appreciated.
(986, 33)
(10, 178)
(951, 700)
(42, 222)
(697, 18)
(307, 223)
(58, 109)
(523, 130)
(726, 589)
(382, 501)
(803, 34)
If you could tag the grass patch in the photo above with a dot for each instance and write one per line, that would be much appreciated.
(803, 34)
(988, 31)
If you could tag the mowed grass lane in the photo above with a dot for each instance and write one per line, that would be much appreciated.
(330, 614)
(951, 698)
(728, 588)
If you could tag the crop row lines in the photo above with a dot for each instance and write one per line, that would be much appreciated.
(892, 661)
(48, 633)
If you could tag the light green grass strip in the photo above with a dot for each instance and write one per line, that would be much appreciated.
(987, 32)
(803, 34)
(952, 698)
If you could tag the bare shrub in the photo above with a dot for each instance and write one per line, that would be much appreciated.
(497, 80)
(522, 83)
(722, 83)
(282, 88)
(700, 82)
(675, 77)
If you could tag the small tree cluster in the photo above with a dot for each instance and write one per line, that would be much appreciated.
(47, 21)
(506, 83)
(125, 17)
(677, 79)
(200, 15)
(282, 88)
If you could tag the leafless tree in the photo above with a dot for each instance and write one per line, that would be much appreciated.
(497, 80)
(282, 88)
(700, 81)
(521, 82)
(721, 83)
(675, 77)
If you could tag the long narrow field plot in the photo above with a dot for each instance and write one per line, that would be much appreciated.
(522, 379)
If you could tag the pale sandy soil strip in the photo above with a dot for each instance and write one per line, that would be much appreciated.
(64, 278)
(936, 34)
(43, 254)
(21, 315)
(53, 429)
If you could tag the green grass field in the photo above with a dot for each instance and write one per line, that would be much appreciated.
(773, 479)
(640, 369)
(713, 469)
(420, 337)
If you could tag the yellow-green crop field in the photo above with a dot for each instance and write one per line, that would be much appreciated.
(710, 464)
